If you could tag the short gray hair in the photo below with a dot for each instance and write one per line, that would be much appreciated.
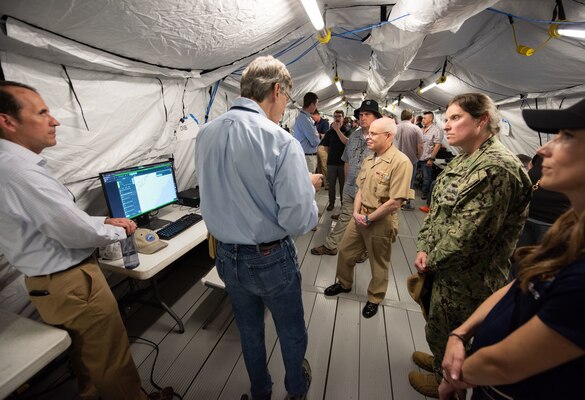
(261, 75)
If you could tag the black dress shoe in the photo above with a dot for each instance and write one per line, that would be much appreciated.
(335, 289)
(370, 310)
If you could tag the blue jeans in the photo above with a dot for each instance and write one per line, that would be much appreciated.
(414, 170)
(427, 177)
(433, 183)
(255, 277)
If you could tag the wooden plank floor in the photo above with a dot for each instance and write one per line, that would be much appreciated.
(351, 357)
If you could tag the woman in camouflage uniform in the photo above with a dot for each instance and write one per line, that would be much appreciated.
(478, 209)
(529, 337)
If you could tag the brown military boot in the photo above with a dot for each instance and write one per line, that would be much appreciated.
(321, 250)
(425, 384)
(423, 360)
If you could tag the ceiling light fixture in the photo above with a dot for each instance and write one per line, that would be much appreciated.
(555, 31)
(314, 13)
(574, 30)
(427, 88)
(338, 84)
(337, 81)
(397, 100)
(442, 79)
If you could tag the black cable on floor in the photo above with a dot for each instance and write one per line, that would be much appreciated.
(156, 349)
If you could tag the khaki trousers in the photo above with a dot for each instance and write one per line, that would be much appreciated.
(311, 163)
(81, 302)
(377, 239)
(335, 237)
(322, 163)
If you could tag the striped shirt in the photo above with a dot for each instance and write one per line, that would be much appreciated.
(355, 152)
(41, 229)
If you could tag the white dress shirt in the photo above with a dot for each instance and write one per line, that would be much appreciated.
(41, 229)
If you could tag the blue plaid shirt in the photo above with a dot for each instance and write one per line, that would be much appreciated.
(355, 152)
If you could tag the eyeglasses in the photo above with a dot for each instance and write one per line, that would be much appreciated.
(288, 98)
(372, 134)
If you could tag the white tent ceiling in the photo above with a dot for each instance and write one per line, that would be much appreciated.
(138, 66)
(201, 38)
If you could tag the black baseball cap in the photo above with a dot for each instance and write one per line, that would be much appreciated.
(368, 105)
(551, 121)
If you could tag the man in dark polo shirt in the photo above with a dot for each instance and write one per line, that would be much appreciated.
(334, 143)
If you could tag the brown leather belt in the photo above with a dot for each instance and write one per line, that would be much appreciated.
(367, 210)
(67, 269)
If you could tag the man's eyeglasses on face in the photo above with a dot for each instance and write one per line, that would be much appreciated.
(337, 116)
(372, 134)
(288, 98)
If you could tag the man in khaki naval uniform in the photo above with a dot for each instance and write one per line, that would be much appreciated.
(383, 183)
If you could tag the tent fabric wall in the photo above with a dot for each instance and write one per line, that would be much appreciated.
(53, 48)
(130, 59)
(125, 115)
(122, 57)
(174, 33)
(433, 16)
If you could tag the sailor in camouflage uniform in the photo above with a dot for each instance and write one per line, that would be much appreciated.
(478, 209)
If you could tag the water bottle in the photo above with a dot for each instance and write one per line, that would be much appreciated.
(129, 254)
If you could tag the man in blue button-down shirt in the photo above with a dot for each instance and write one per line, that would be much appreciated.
(255, 193)
(306, 131)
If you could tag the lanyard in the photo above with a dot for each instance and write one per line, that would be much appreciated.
(244, 109)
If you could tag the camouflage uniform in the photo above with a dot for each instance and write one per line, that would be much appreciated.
(478, 209)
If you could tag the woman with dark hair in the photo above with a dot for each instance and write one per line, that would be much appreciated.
(545, 207)
(529, 337)
(477, 211)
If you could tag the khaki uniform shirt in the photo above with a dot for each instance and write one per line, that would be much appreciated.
(384, 179)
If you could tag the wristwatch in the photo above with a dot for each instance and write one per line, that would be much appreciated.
(368, 222)
(432, 158)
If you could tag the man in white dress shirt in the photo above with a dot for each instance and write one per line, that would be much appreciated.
(45, 236)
